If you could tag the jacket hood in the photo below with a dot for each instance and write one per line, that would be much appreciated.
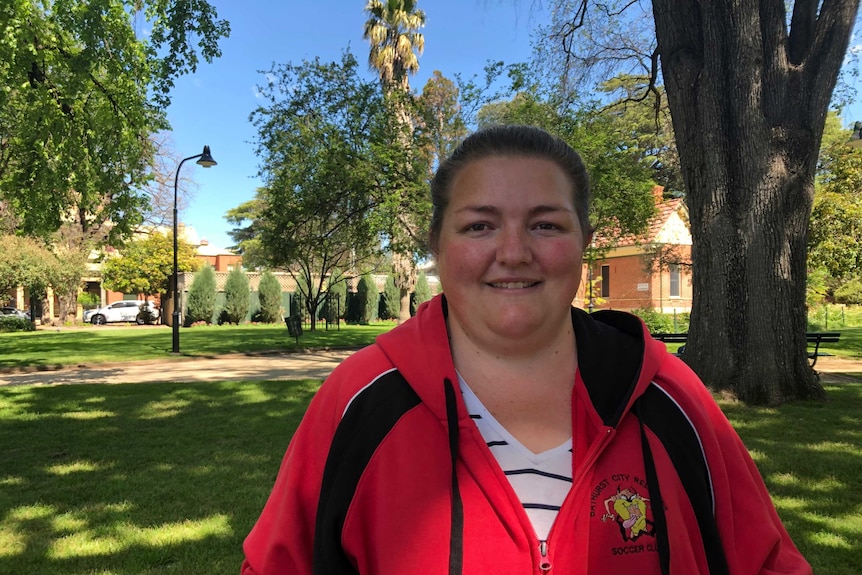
(617, 358)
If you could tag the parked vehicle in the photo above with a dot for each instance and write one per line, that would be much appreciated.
(13, 312)
(128, 310)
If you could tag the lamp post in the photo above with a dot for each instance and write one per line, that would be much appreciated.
(205, 160)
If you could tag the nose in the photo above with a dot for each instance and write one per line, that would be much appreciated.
(514, 247)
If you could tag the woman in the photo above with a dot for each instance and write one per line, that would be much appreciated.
(503, 431)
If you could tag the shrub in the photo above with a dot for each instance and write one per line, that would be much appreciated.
(336, 302)
(16, 324)
(421, 294)
(237, 299)
(201, 302)
(352, 311)
(658, 322)
(89, 300)
(269, 294)
(297, 300)
(849, 293)
(391, 303)
(368, 299)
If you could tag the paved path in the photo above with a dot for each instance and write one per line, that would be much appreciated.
(314, 365)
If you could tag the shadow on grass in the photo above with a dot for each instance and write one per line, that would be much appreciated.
(143, 478)
(810, 454)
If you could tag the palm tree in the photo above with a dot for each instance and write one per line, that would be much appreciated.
(392, 30)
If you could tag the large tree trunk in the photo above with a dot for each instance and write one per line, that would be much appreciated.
(748, 104)
(404, 275)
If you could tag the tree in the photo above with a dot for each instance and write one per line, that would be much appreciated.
(440, 118)
(269, 294)
(835, 238)
(237, 298)
(422, 293)
(246, 235)
(390, 303)
(392, 31)
(201, 301)
(25, 262)
(83, 94)
(146, 265)
(336, 300)
(334, 171)
(369, 299)
(748, 88)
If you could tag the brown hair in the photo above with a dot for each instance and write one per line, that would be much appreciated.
(512, 140)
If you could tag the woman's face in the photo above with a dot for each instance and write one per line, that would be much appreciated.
(509, 249)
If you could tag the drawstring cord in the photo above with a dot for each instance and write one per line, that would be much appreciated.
(456, 532)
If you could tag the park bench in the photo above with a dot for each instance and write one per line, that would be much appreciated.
(813, 338)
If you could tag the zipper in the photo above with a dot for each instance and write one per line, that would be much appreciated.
(545, 561)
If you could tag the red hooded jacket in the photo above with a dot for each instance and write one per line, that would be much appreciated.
(387, 473)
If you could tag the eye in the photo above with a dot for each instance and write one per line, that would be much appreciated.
(547, 226)
(476, 227)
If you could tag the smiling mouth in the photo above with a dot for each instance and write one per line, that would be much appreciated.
(513, 285)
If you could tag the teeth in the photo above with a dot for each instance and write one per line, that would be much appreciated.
(513, 285)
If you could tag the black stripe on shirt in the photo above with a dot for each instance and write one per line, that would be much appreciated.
(371, 416)
(670, 425)
(537, 472)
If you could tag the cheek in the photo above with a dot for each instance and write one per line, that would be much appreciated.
(463, 259)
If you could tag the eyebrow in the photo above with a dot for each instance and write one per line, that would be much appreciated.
(534, 211)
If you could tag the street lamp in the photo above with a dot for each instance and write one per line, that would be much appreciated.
(206, 160)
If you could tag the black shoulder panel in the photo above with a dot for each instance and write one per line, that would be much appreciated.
(668, 422)
(369, 418)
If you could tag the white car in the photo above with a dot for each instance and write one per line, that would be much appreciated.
(127, 310)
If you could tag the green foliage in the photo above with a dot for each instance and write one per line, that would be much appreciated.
(835, 232)
(201, 300)
(246, 235)
(83, 92)
(336, 305)
(237, 298)
(146, 265)
(850, 292)
(390, 303)
(339, 171)
(25, 262)
(269, 294)
(10, 324)
(368, 299)
(89, 300)
(421, 295)
(658, 322)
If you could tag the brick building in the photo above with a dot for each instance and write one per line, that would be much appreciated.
(651, 271)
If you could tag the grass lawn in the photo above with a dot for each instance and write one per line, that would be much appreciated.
(51, 347)
(169, 478)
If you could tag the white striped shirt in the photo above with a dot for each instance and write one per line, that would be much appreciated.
(541, 480)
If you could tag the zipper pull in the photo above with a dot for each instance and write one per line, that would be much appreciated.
(545, 562)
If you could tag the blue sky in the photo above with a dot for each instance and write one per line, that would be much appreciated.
(211, 107)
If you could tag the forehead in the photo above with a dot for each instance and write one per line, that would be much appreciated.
(508, 177)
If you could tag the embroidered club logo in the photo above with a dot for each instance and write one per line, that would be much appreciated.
(627, 508)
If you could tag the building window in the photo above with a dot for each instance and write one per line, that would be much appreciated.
(606, 281)
(673, 270)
